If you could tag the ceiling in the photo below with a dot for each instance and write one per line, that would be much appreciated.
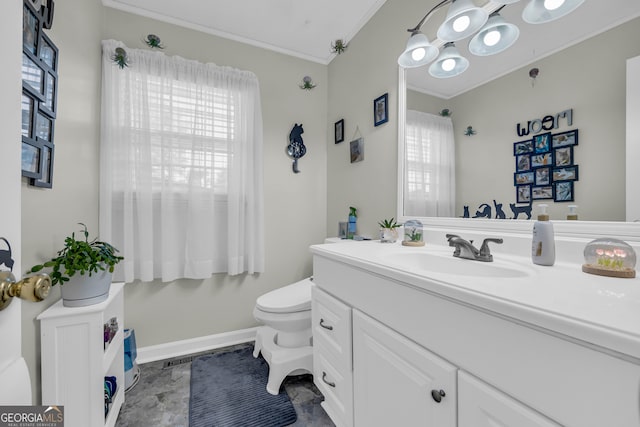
(301, 28)
(305, 29)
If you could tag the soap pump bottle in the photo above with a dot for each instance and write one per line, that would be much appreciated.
(543, 249)
(572, 215)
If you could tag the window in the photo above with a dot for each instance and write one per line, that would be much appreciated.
(181, 167)
(429, 165)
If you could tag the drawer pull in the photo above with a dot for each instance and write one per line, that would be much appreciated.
(438, 395)
(324, 379)
(329, 327)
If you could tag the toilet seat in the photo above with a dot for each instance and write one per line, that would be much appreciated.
(289, 299)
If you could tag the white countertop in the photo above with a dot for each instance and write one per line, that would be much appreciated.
(599, 311)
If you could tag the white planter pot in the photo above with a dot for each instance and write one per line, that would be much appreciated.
(388, 235)
(83, 290)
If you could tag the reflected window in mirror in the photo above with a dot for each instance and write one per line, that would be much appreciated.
(429, 165)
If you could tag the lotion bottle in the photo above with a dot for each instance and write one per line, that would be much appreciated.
(543, 248)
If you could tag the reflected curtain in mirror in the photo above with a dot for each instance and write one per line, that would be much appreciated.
(429, 181)
(181, 167)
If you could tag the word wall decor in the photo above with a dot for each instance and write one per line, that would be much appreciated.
(545, 167)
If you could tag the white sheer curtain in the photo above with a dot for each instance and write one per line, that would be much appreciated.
(430, 175)
(180, 167)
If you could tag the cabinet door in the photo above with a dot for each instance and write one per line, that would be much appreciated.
(481, 405)
(394, 379)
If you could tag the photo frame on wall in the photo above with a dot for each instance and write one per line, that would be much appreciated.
(563, 156)
(542, 176)
(338, 129)
(542, 143)
(39, 93)
(523, 194)
(523, 147)
(521, 178)
(545, 167)
(565, 139)
(564, 191)
(380, 110)
(356, 150)
(523, 162)
(568, 173)
(541, 193)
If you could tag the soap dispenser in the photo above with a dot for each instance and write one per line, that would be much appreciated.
(543, 248)
(573, 214)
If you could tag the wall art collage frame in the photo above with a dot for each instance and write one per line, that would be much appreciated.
(545, 167)
(39, 93)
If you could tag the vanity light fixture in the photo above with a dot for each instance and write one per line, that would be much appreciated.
(450, 63)
(418, 52)
(493, 34)
(496, 36)
(543, 11)
(463, 19)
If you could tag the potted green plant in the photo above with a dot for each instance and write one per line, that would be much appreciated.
(388, 230)
(83, 269)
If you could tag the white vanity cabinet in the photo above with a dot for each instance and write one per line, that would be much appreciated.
(412, 337)
(480, 405)
(332, 358)
(75, 360)
(398, 383)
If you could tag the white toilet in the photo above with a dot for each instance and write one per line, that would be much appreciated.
(285, 340)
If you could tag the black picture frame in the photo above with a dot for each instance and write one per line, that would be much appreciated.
(564, 139)
(541, 160)
(542, 143)
(523, 193)
(523, 147)
(523, 162)
(563, 156)
(39, 94)
(522, 178)
(380, 110)
(31, 28)
(338, 131)
(542, 176)
(564, 191)
(46, 166)
(565, 173)
(542, 192)
(31, 153)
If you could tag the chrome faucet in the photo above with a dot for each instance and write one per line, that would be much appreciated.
(465, 249)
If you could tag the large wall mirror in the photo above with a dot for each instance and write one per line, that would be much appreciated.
(592, 84)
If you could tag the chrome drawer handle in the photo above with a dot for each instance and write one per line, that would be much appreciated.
(324, 379)
(329, 327)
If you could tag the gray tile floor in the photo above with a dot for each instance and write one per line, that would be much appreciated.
(161, 397)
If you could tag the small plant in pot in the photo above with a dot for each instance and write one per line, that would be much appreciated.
(83, 269)
(388, 230)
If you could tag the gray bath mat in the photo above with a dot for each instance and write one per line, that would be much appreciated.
(229, 390)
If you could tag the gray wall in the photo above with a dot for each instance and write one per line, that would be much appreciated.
(295, 204)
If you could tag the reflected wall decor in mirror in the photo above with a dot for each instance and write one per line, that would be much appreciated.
(582, 61)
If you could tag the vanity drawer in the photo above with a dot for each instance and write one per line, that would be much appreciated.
(335, 384)
(332, 327)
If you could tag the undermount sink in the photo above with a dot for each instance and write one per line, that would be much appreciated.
(440, 263)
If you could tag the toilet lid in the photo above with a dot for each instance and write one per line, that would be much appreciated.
(288, 299)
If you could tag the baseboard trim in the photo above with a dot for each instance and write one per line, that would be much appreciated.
(169, 350)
